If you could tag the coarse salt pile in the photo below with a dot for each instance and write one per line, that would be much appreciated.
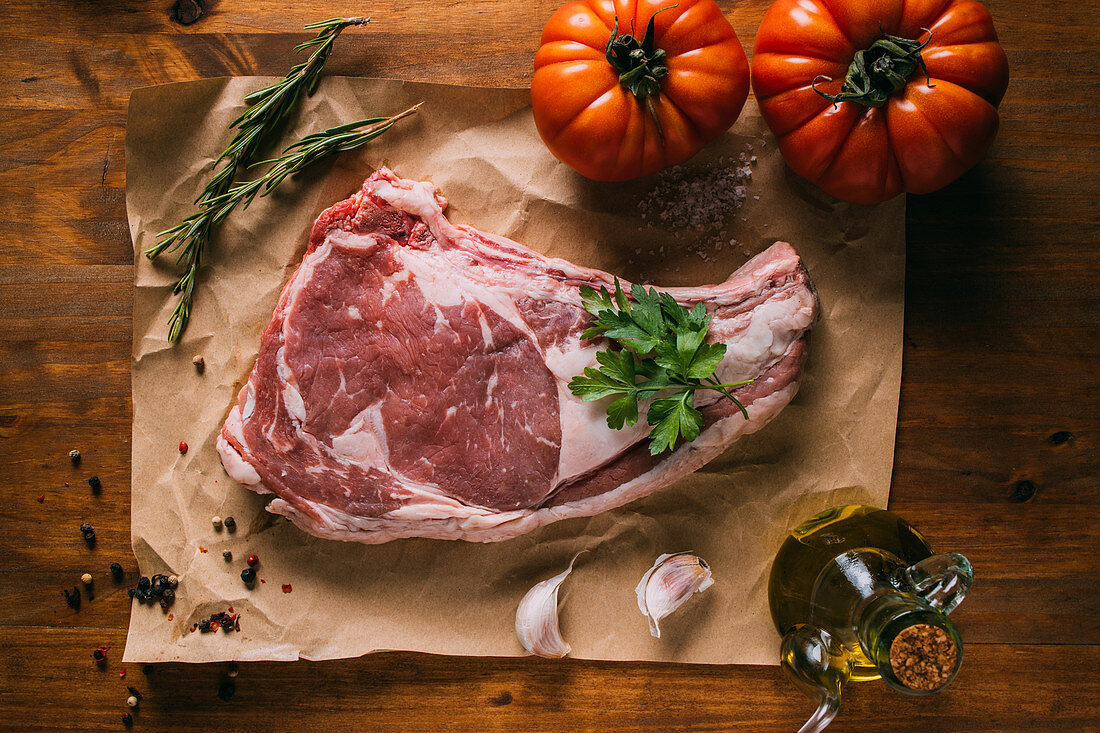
(698, 203)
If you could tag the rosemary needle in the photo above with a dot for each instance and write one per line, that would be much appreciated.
(268, 109)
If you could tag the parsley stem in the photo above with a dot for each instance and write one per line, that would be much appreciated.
(717, 386)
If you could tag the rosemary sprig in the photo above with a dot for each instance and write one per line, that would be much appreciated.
(268, 109)
(655, 338)
(299, 155)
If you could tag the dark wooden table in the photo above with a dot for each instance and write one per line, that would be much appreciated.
(997, 452)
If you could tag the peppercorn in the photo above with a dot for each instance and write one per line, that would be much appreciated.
(148, 669)
(88, 531)
(86, 578)
(99, 654)
(226, 690)
(132, 701)
(173, 580)
(143, 583)
(227, 555)
(72, 599)
(183, 446)
(96, 484)
(248, 575)
(233, 669)
(169, 595)
(116, 571)
(74, 456)
(127, 719)
(217, 522)
(199, 362)
(253, 561)
(230, 523)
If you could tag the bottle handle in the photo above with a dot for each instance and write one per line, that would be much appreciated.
(942, 580)
(815, 662)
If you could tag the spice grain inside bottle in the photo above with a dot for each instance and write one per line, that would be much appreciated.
(923, 657)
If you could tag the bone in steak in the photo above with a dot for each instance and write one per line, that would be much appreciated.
(413, 379)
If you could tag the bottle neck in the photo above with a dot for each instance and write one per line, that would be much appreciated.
(914, 646)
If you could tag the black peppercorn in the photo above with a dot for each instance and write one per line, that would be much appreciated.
(95, 483)
(116, 571)
(226, 690)
(74, 456)
(127, 719)
(248, 575)
(143, 583)
(72, 599)
(88, 531)
(169, 595)
(230, 523)
(227, 556)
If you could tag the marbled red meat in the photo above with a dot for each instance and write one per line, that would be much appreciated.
(413, 379)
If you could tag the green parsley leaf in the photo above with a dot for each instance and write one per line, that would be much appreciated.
(658, 348)
(594, 302)
(673, 418)
(623, 411)
(706, 360)
(595, 385)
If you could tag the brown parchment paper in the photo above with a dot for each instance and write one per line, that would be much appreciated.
(833, 444)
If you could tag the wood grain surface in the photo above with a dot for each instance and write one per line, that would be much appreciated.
(997, 453)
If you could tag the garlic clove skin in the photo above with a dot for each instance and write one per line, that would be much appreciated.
(537, 618)
(672, 580)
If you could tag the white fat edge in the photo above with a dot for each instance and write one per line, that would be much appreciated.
(586, 441)
(338, 525)
(772, 327)
(477, 526)
(234, 463)
(417, 199)
(365, 243)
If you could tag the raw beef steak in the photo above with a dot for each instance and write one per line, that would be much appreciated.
(413, 379)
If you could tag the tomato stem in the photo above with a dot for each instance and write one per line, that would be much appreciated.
(880, 70)
(641, 66)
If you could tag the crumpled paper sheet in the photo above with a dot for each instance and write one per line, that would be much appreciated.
(832, 445)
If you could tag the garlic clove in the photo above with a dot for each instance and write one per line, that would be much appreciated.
(672, 580)
(537, 618)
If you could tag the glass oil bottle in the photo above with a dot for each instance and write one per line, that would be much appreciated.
(858, 594)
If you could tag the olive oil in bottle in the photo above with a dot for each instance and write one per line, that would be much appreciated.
(858, 594)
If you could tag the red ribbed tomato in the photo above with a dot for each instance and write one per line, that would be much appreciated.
(613, 105)
(869, 98)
